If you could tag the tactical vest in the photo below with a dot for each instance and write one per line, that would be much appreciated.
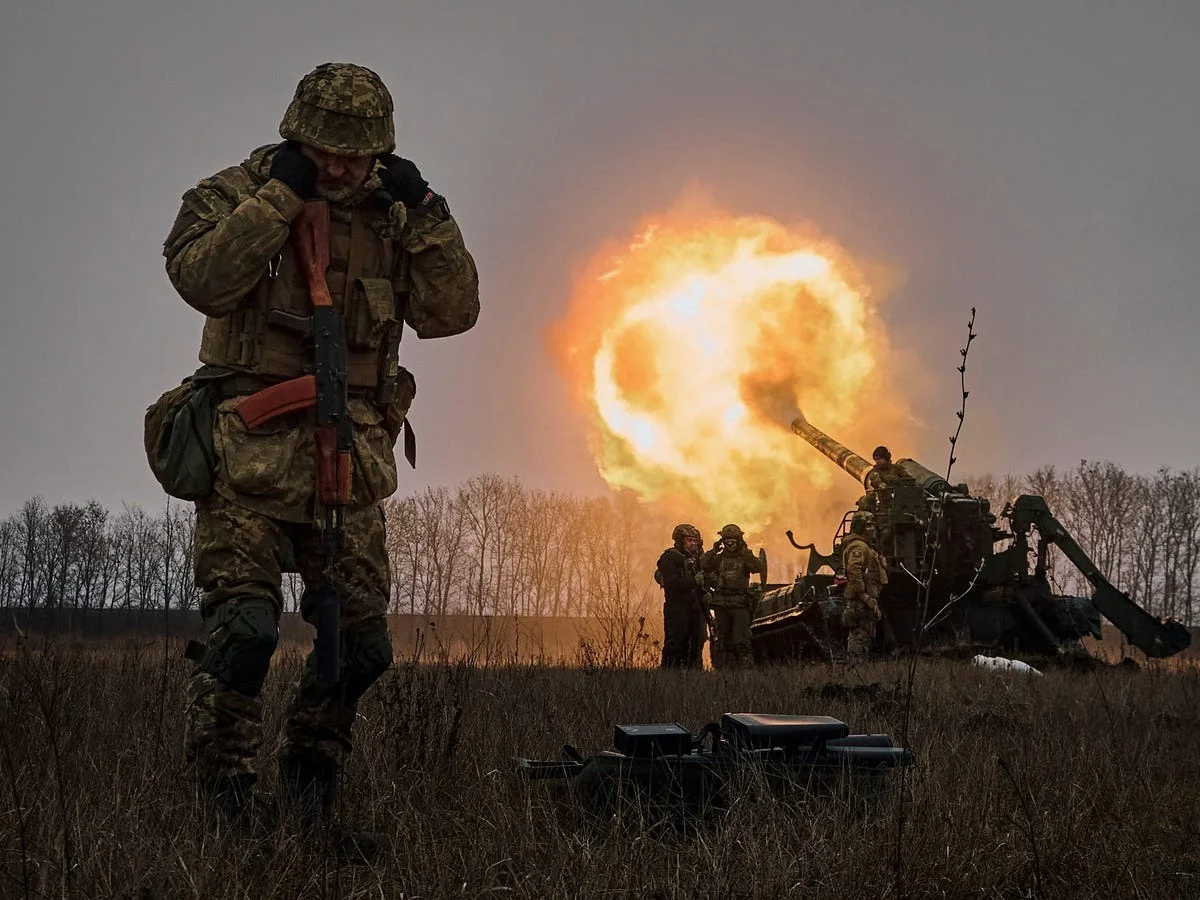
(686, 563)
(268, 334)
(733, 575)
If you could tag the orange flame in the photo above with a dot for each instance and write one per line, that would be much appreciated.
(693, 347)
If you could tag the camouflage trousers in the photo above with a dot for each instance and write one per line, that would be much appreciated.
(731, 648)
(860, 619)
(240, 557)
(684, 633)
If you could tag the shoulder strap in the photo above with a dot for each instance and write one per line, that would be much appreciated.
(389, 353)
(358, 249)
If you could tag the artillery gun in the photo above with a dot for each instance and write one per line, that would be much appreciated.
(987, 587)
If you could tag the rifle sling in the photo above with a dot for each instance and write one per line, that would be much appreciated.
(389, 367)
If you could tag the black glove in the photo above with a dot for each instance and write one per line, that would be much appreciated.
(295, 170)
(402, 179)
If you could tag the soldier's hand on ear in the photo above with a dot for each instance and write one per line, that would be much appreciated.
(402, 179)
(295, 170)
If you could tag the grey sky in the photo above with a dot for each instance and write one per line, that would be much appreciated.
(1035, 159)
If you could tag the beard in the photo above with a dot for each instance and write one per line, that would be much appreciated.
(341, 192)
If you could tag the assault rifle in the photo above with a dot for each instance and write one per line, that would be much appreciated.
(327, 389)
(333, 434)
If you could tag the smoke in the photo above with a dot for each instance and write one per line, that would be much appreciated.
(692, 346)
(773, 400)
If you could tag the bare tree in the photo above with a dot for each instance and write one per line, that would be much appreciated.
(1100, 503)
(10, 564)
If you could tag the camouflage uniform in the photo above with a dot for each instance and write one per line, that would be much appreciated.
(728, 571)
(883, 477)
(228, 256)
(684, 624)
(865, 575)
(885, 474)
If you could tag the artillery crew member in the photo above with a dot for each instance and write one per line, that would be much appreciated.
(684, 612)
(885, 473)
(396, 257)
(878, 500)
(865, 575)
(727, 568)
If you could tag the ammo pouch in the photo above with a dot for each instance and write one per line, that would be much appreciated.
(370, 313)
(399, 392)
(179, 435)
(374, 316)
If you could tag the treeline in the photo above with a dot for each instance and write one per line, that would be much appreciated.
(1141, 531)
(488, 546)
(494, 546)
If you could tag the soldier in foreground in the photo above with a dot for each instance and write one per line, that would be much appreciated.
(865, 575)
(727, 568)
(684, 621)
(396, 256)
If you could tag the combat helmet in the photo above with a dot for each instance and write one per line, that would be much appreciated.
(683, 532)
(881, 452)
(732, 531)
(341, 108)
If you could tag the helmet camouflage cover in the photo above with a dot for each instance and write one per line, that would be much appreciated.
(731, 531)
(682, 532)
(859, 522)
(341, 108)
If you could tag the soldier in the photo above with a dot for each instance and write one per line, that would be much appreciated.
(396, 256)
(884, 474)
(727, 568)
(865, 575)
(684, 622)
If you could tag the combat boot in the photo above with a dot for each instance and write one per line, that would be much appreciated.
(307, 789)
(230, 801)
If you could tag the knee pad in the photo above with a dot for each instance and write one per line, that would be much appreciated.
(243, 638)
(368, 652)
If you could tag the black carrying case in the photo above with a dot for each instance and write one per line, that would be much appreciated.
(665, 739)
(755, 731)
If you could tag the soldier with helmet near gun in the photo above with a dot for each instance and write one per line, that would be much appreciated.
(866, 574)
(307, 260)
(685, 614)
(727, 567)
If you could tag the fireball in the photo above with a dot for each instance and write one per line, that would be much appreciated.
(692, 347)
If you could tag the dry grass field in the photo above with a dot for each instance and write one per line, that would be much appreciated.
(1072, 785)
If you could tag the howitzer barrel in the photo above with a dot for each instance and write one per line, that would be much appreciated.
(851, 462)
(845, 458)
(930, 482)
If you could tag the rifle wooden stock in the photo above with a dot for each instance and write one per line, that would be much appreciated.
(333, 468)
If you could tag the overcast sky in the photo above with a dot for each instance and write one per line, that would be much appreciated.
(1037, 160)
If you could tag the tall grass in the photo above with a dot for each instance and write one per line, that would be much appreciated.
(1071, 785)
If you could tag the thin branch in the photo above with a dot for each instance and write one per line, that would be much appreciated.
(945, 610)
(933, 547)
